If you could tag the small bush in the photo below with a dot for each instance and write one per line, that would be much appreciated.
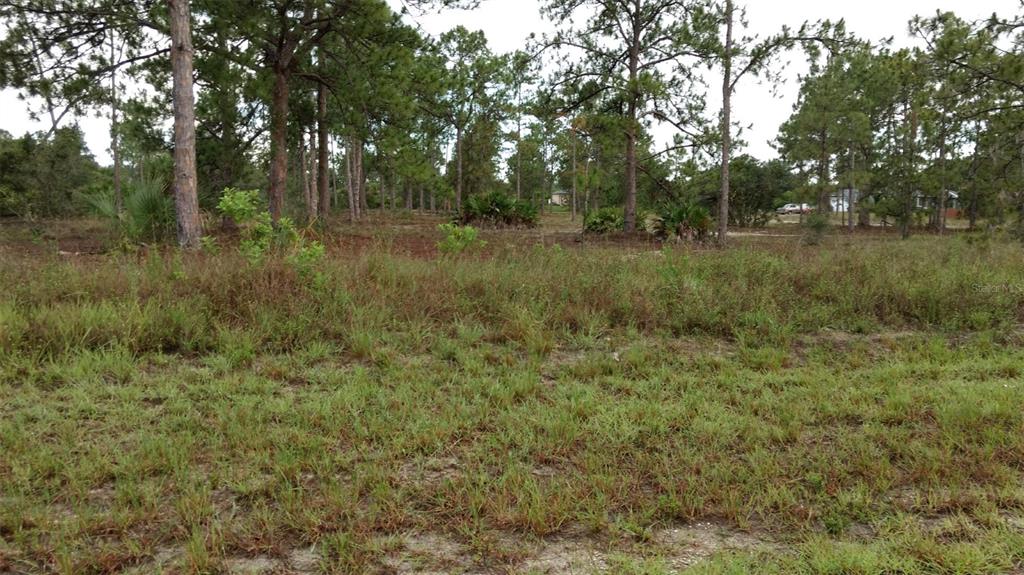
(689, 221)
(307, 257)
(148, 214)
(816, 226)
(458, 239)
(259, 235)
(498, 210)
(604, 221)
(241, 205)
(17, 204)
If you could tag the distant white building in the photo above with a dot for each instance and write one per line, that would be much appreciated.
(842, 199)
(560, 199)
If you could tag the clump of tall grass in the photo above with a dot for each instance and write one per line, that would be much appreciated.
(739, 293)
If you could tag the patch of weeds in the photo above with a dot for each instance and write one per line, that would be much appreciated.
(260, 234)
(458, 239)
(209, 245)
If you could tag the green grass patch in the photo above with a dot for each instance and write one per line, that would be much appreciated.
(843, 410)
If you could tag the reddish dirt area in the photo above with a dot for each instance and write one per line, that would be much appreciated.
(417, 236)
(64, 237)
(408, 234)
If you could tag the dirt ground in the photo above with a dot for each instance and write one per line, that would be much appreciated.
(412, 234)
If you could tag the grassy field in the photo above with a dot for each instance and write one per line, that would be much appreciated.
(546, 406)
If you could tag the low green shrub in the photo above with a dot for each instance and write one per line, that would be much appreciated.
(306, 257)
(244, 208)
(18, 204)
(687, 221)
(604, 221)
(496, 209)
(148, 211)
(458, 239)
(816, 227)
(260, 235)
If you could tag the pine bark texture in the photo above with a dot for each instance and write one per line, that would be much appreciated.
(186, 199)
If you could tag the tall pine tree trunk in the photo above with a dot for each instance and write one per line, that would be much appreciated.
(824, 206)
(942, 185)
(586, 188)
(851, 200)
(356, 177)
(631, 129)
(631, 167)
(458, 169)
(304, 170)
(631, 163)
(323, 157)
(278, 142)
(575, 185)
(863, 207)
(186, 198)
(334, 174)
(392, 194)
(350, 184)
(115, 147)
(910, 151)
(863, 211)
(519, 142)
(314, 184)
(723, 200)
(361, 175)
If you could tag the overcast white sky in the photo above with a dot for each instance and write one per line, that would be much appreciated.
(508, 23)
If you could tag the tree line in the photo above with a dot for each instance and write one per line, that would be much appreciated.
(912, 128)
(328, 104)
